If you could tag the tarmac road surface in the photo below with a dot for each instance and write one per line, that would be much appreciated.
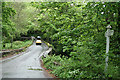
(26, 65)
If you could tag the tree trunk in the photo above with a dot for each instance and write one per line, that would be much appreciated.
(11, 42)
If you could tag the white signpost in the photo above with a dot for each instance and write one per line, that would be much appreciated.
(108, 33)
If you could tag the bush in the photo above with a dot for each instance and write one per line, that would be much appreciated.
(17, 44)
(86, 66)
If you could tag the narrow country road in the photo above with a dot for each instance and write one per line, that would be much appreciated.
(26, 65)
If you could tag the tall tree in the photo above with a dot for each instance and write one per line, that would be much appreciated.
(7, 25)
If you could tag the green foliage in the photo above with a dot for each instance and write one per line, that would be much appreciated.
(74, 29)
(24, 17)
(17, 20)
(7, 24)
(17, 44)
(77, 30)
(86, 67)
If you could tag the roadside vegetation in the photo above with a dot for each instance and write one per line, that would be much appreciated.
(76, 32)
(17, 45)
(15, 20)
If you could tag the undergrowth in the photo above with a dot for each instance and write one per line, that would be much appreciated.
(17, 44)
(86, 67)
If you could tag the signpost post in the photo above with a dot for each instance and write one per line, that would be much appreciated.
(108, 33)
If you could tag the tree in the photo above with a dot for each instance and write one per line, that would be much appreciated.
(7, 24)
(77, 31)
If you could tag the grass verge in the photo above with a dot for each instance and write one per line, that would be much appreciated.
(17, 45)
